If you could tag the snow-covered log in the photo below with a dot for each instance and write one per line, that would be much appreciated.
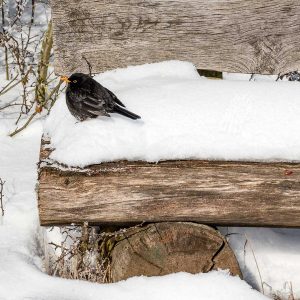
(211, 192)
(247, 36)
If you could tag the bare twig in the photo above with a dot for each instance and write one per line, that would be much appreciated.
(56, 246)
(6, 86)
(51, 98)
(54, 92)
(32, 11)
(1, 196)
(25, 125)
(89, 65)
(291, 296)
(9, 105)
(5, 48)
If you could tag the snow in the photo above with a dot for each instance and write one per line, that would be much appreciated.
(270, 253)
(174, 287)
(277, 256)
(183, 117)
(22, 271)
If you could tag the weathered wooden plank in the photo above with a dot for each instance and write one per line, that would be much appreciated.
(249, 36)
(224, 193)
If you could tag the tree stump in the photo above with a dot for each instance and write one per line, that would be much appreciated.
(169, 247)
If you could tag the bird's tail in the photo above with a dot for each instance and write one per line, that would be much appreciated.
(124, 112)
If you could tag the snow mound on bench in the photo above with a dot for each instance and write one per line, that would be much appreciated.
(184, 116)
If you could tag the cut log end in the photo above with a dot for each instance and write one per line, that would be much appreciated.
(169, 247)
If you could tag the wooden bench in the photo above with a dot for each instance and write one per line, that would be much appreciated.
(230, 35)
(248, 36)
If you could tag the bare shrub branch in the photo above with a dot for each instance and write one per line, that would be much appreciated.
(1, 196)
(85, 252)
(5, 48)
(41, 86)
(24, 126)
(9, 86)
(36, 89)
(89, 66)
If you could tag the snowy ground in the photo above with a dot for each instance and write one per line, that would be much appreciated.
(271, 257)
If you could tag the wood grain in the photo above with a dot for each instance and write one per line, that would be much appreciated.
(222, 193)
(248, 36)
(171, 247)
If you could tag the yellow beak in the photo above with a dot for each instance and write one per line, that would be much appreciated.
(65, 79)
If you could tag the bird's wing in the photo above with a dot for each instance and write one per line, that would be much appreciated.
(92, 104)
(114, 97)
(101, 92)
(98, 100)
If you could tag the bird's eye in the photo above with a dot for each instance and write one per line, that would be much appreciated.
(74, 81)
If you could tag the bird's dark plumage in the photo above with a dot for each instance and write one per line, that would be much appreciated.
(86, 98)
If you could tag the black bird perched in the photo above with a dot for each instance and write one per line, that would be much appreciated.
(86, 98)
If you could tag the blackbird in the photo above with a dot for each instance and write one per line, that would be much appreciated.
(86, 98)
